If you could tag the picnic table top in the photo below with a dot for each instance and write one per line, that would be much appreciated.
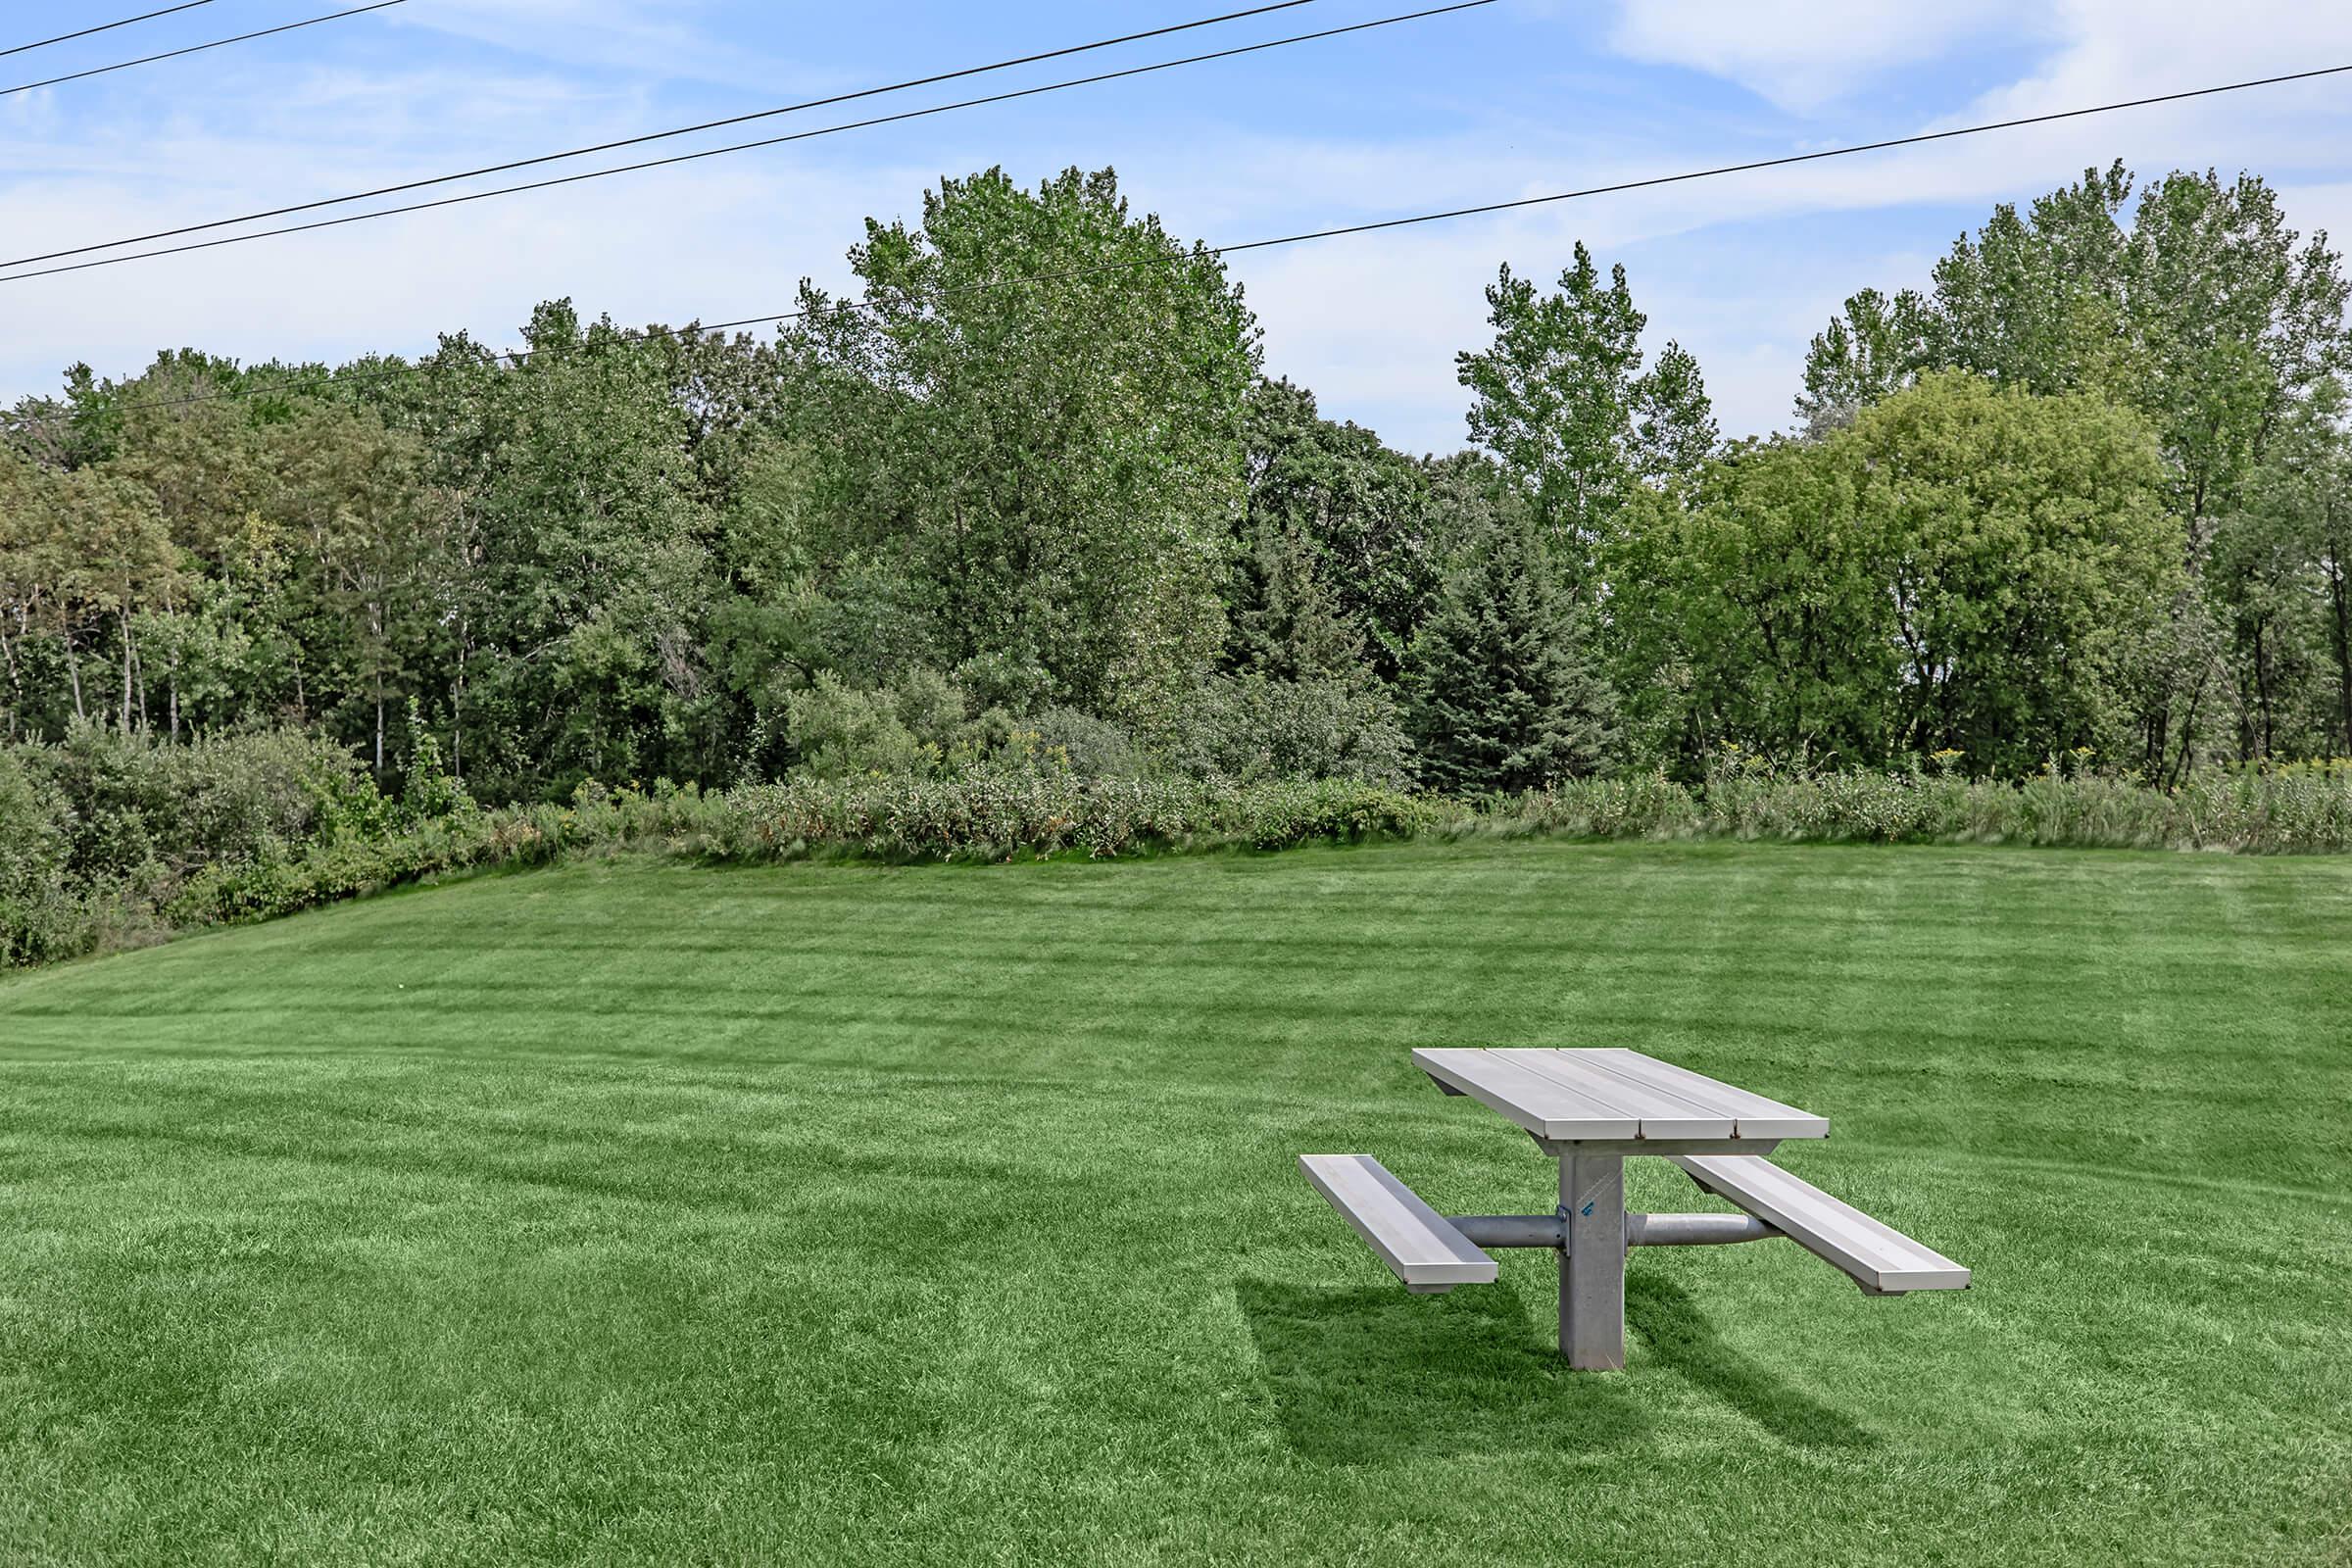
(1610, 1095)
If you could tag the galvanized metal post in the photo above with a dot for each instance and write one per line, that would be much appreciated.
(1592, 1269)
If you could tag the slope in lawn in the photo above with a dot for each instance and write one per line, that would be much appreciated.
(626, 1214)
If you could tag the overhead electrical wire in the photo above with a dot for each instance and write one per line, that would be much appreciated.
(199, 48)
(740, 147)
(108, 27)
(517, 356)
(662, 135)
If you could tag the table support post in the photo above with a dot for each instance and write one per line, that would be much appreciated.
(1593, 1270)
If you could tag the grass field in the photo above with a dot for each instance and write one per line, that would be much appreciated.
(621, 1214)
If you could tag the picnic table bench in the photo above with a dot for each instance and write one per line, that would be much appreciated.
(1592, 1109)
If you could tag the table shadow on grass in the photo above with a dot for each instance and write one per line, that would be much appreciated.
(1679, 1337)
(1373, 1376)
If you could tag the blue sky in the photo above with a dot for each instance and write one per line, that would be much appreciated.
(1518, 98)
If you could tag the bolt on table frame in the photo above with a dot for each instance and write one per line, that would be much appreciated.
(1592, 1230)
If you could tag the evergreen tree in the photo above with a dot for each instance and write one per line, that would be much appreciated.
(1501, 693)
(1361, 510)
(1286, 622)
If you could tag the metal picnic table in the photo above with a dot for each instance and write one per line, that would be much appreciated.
(1592, 1108)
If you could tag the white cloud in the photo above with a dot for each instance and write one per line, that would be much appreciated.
(672, 39)
(1804, 54)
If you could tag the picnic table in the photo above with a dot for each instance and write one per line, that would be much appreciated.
(1591, 1109)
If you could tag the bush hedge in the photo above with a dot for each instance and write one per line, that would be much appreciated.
(108, 842)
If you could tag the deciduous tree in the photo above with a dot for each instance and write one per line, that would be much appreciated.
(1033, 428)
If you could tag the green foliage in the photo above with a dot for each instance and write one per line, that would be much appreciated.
(1674, 420)
(42, 915)
(1562, 402)
(1254, 727)
(1286, 622)
(908, 728)
(2277, 571)
(1554, 398)
(1961, 570)
(957, 522)
(1501, 692)
(2207, 315)
(1869, 352)
(1047, 475)
(2286, 810)
(107, 841)
(1335, 513)
(99, 832)
(573, 635)
(2221, 328)
(431, 792)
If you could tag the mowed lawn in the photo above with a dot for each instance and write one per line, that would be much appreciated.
(829, 1214)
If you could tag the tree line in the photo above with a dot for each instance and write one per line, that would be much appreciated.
(1027, 497)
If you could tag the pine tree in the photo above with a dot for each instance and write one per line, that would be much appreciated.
(1501, 694)
(1285, 621)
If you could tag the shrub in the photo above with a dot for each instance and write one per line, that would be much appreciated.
(99, 832)
(1065, 740)
(1250, 729)
(40, 917)
(133, 807)
(838, 730)
(106, 842)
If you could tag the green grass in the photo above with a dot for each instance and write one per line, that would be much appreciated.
(626, 1214)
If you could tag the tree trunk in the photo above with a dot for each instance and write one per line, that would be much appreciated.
(2263, 738)
(375, 632)
(457, 706)
(74, 674)
(2337, 591)
(2188, 741)
(123, 616)
(15, 681)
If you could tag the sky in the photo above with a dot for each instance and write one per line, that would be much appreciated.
(1514, 99)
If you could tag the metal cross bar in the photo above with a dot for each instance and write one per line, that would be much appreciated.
(1694, 1230)
(1592, 1231)
(1640, 1229)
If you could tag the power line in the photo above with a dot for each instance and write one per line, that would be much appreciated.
(1794, 158)
(199, 48)
(663, 136)
(739, 147)
(517, 356)
(67, 37)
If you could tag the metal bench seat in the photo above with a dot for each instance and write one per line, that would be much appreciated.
(1420, 1245)
(1882, 1259)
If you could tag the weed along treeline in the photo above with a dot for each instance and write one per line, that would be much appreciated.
(108, 841)
(1019, 549)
